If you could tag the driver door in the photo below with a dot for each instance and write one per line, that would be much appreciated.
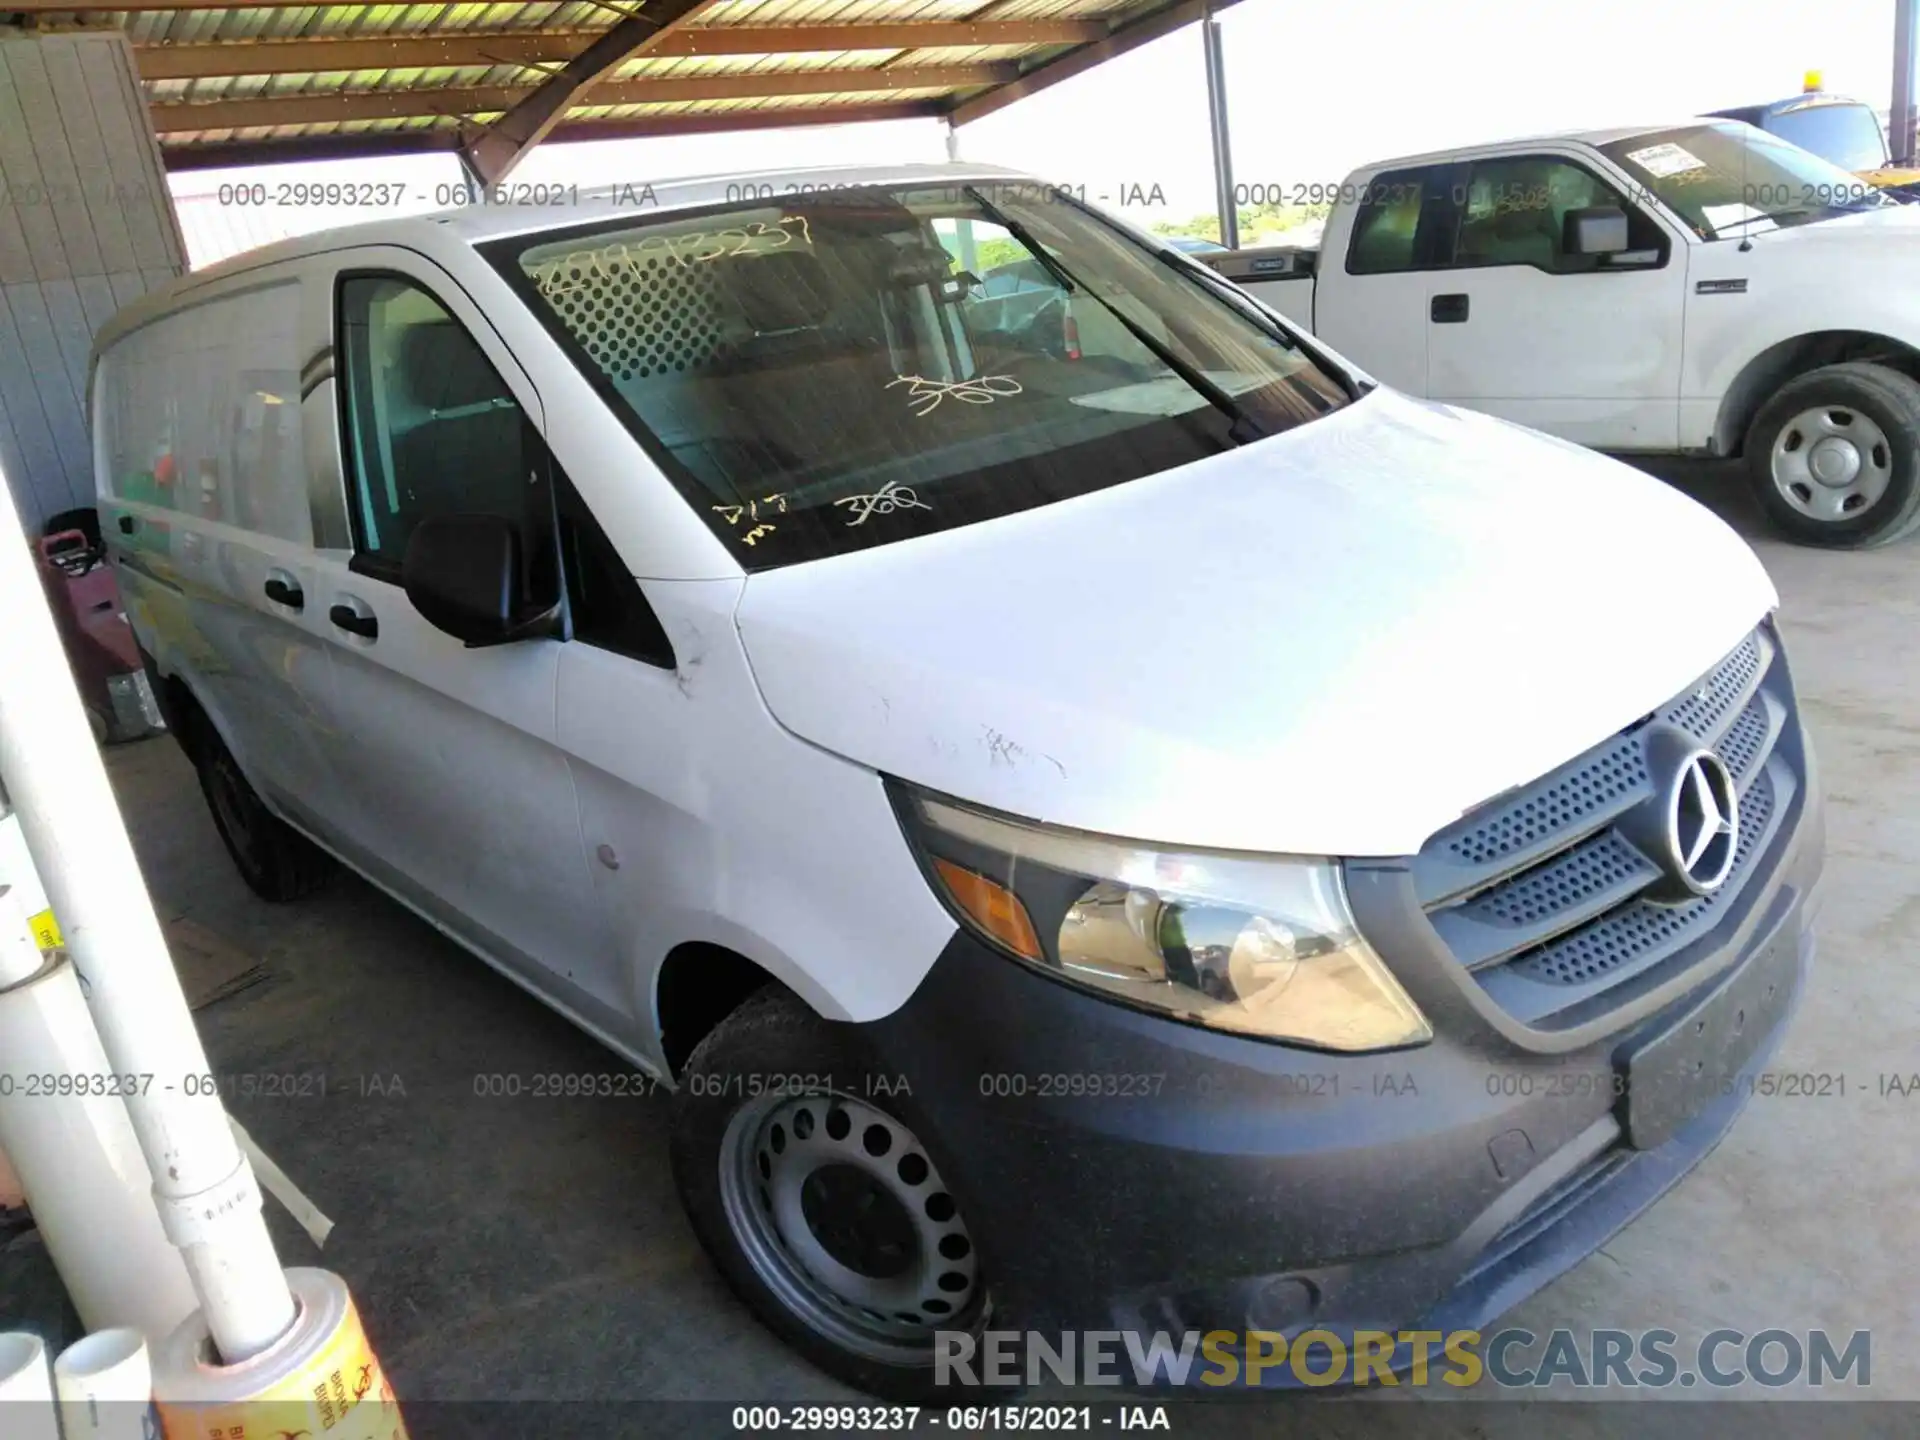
(453, 789)
(1581, 346)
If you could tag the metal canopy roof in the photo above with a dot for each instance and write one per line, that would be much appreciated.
(279, 80)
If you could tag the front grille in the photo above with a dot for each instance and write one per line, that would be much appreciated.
(1541, 895)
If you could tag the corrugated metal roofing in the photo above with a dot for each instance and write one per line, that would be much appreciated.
(268, 76)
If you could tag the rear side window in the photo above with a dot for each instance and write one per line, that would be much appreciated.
(431, 427)
(1387, 224)
(199, 412)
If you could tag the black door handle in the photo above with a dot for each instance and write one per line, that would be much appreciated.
(126, 524)
(281, 593)
(347, 618)
(1448, 309)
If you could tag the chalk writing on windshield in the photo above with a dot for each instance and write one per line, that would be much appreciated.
(888, 498)
(926, 395)
(750, 512)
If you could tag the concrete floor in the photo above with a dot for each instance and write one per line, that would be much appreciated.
(533, 1249)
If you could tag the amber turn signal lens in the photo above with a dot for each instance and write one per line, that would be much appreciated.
(994, 908)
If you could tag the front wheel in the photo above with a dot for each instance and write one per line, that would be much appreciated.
(818, 1203)
(1834, 456)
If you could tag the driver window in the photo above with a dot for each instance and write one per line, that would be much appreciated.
(432, 429)
(1514, 212)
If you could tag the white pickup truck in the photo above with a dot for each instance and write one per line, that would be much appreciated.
(1696, 288)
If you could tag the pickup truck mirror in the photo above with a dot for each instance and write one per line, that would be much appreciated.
(463, 573)
(1596, 230)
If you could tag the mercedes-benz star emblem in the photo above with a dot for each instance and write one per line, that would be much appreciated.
(1703, 823)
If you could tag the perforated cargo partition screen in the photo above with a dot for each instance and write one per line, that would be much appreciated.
(642, 310)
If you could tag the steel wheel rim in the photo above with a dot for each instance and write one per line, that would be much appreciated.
(1831, 463)
(842, 1215)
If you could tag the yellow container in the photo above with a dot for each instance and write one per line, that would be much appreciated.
(322, 1378)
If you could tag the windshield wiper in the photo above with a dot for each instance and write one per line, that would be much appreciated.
(1242, 430)
(1776, 215)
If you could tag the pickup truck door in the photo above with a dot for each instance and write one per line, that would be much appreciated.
(1370, 296)
(1584, 347)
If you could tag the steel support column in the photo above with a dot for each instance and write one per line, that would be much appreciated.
(1900, 123)
(1217, 121)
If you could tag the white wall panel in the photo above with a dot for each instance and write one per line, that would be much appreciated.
(86, 226)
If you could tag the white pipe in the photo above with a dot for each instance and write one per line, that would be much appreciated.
(105, 1387)
(16, 873)
(85, 1178)
(208, 1200)
(26, 1389)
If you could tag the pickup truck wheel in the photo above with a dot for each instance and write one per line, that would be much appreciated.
(277, 862)
(1835, 456)
(818, 1203)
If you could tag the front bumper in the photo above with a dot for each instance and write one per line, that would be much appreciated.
(1124, 1171)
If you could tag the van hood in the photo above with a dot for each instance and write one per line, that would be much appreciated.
(1331, 642)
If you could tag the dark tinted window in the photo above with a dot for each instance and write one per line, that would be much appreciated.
(857, 368)
(604, 602)
(1387, 224)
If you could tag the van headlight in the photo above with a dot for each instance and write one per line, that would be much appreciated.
(1261, 945)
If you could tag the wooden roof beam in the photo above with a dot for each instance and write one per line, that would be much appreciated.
(326, 54)
(492, 152)
(327, 109)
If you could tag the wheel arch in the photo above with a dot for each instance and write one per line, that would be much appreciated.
(1780, 362)
(187, 719)
(698, 985)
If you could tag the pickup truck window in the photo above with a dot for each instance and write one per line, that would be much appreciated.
(1725, 180)
(831, 371)
(1515, 208)
(1387, 223)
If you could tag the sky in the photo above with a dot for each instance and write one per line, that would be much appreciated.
(1314, 89)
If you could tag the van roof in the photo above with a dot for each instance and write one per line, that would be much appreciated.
(473, 225)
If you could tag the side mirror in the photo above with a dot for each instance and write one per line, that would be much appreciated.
(1596, 230)
(464, 574)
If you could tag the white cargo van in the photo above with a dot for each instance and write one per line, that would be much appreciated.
(1154, 833)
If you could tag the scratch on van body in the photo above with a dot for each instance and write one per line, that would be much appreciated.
(1001, 750)
(696, 647)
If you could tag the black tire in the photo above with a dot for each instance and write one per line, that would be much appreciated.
(277, 862)
(755, 1074)
(1890, 404)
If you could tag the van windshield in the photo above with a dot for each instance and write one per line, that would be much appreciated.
(825, 372)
